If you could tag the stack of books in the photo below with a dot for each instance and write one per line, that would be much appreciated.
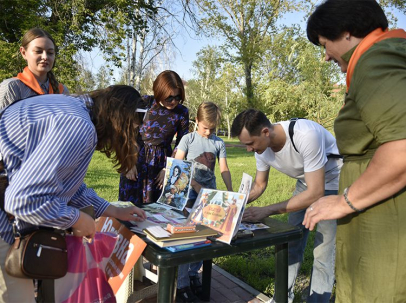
(185, 240)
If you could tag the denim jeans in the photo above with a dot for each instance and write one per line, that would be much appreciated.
(322, 277)
(187, 270)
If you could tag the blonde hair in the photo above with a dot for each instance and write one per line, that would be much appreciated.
(35, 33)
(209, 113)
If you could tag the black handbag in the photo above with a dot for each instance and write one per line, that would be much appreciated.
(41, 254)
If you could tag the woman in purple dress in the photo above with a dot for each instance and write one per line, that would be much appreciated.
(166, 116)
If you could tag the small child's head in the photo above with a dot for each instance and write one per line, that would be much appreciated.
(208, 118)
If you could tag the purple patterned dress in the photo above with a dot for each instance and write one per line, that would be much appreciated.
(157, 132)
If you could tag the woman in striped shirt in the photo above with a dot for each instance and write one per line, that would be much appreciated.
(38, 49)
(46, 143)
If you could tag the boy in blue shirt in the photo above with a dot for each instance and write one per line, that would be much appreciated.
(202, 147)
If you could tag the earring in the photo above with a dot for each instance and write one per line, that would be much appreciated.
(348, 37)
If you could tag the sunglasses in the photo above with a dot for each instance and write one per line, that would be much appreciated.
(177, 98)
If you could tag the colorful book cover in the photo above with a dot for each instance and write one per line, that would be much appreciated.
(126, 253)
(219, 210)
(178, 176)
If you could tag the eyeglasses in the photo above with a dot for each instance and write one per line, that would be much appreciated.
(177, 98)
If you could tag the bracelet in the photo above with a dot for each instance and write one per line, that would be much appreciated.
(349, 202)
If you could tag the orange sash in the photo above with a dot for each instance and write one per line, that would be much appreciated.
(28, 78)
(372, 38)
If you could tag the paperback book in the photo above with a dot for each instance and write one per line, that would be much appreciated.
(184, 247)
(168, 239)
(219, 210)
(176, 187)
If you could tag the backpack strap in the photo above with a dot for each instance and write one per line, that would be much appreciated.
(291, 132)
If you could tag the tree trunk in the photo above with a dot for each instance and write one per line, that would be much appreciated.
(140, 65)
(133, 58)
(248, 84)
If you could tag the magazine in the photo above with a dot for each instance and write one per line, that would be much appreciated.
(252, 226)
(178, 176)
(219, 210)
(126, 253)
(157, 214)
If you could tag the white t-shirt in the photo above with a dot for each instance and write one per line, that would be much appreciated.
(313, 143)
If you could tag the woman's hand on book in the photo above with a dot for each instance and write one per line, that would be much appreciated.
(132, 213)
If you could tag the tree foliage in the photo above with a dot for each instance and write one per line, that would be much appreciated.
(74, 24)
(244, 25)
(218, 81)
(298, 82)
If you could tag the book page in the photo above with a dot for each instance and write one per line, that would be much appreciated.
(245, 188)
(178, 176)
(157, 215)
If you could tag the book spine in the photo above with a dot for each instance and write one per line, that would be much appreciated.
(183, 247)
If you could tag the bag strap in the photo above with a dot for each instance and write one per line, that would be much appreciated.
(291, 132)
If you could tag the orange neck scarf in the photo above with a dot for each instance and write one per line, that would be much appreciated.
(372, 38)
(28, 78)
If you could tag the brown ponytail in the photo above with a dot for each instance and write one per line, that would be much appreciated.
(53, 82)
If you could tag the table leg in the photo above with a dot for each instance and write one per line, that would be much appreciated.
(206, 279)
(166, 284)
(281, 273)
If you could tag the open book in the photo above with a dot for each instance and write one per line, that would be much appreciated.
(221, 210)
(178, 176)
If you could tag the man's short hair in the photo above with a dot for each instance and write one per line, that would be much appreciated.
(253, 120)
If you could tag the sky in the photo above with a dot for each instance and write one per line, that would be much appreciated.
(190, 46)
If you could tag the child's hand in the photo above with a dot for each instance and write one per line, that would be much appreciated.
(159, 180)
(132, 174)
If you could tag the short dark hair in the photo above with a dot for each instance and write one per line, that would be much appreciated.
(334, 17)
(253, 120)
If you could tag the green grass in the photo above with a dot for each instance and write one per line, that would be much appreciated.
(255, 268)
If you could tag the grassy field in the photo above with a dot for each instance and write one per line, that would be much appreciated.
(255, 268)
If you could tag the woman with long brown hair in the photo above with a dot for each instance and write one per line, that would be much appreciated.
(46, 143)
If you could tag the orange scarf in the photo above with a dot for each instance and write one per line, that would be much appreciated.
(28, 78)
(372, 38)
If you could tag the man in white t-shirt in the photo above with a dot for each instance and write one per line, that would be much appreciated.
(313, 160)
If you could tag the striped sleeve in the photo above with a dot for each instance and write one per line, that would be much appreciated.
(53, 173)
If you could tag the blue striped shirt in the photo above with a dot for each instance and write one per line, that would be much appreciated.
(47, 143)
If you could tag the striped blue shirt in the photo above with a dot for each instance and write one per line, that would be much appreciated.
(47, 143)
